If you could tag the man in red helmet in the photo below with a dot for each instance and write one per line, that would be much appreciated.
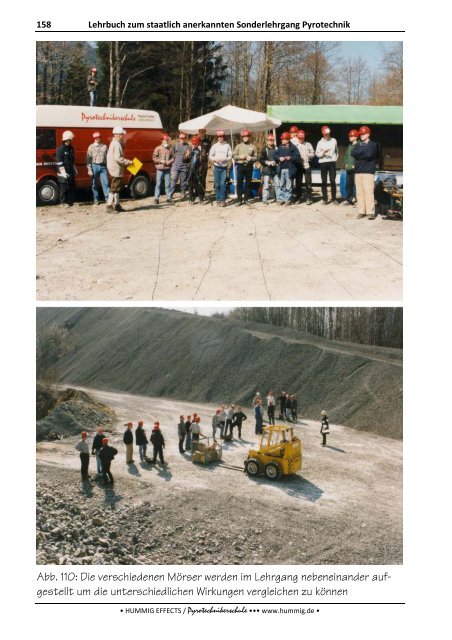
(245, 155)
(106, 454)
(365, 153)
(158, 442)
(268, 161)
(287, 158)
(296, 182)
(327, 153)
(306, 152)
(83, 448)
(163, 158)
(349, 166)
(93, 84)
(195, 188)
(182, 155)
(204, 158)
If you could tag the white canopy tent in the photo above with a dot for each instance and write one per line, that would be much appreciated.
(232, 120)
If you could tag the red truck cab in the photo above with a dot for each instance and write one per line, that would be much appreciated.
(144, 133)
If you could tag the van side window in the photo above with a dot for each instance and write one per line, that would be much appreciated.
(45, 138)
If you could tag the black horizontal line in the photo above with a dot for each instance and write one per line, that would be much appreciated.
(211, 31)
(199, 604)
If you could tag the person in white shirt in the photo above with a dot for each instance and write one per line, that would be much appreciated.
(327, 153)
(220, 154)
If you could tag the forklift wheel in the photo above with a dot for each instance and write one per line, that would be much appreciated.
(252, 467)
(273, 471)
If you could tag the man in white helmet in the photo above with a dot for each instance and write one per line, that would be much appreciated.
(66, 170)
(115, 165)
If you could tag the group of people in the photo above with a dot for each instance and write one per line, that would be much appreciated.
(288, 408)
(285, 168)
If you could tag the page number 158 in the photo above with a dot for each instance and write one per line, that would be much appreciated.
(45, 24)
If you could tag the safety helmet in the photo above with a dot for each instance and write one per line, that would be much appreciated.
(285, 135)
(93, 69)
(128, 424)
(67, 135)
(364, 129)
(270, 136)
(245, 132)
(118, 130)
(300, 134)
(323, 412)
(195, 141)
(220, 133)
(104, 440)
(84, 434)
(96, 134)
(326, 129)
(353, 132)
(293, 129)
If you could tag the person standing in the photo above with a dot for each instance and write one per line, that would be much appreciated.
(107, 453)
(216, 424)
(245, 155)
(324, 427)
(93, 86)
(96, 162)
(327, 153)
(83, 448)
(365, 153)
(349, 166)
(141, 440)
(297, 180)
(294, 402)
(269, 175)
(259, 417)
(220, 154)
(181, 433)
(163, 158)
(97, 445)
(188, 434)
(287, 158)
(271, 401)
(158, 442)
(204, 159)
(194, 172)
(288, 408)
(223, 416)
(282, 404)
(128, 441)
(237, 420)
(66, 169)
(196, 429)
(115, 165)
(306, 152)
(182, 155)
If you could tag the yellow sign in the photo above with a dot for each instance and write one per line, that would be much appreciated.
(135, 166)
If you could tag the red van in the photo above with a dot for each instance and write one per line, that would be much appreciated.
(144, 133)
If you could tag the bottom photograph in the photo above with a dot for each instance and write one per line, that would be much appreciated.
(248, 435)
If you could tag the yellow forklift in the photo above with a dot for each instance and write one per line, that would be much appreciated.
(278, 454)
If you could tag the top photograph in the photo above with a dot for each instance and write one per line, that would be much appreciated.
(219, 171)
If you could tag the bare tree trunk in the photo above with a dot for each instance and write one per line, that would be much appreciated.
(117, 75)
(111, 74)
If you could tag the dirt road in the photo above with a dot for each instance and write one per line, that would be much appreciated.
(202, 252)
(343, 507)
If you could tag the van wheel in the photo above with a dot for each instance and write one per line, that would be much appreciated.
(140, 187)
(273, 471)
(47, 192)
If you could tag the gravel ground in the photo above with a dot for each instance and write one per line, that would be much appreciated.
(343, 507)
(201, 252)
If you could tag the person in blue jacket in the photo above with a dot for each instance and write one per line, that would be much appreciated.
(287, 158)
(365, 153)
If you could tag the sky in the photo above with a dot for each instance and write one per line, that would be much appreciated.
(368, 50)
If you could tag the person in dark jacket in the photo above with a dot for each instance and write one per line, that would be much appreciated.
(181, 432)
(282, 404)
(365, 153)
(259, 418)
(324, 427)
(195, 188)
(141, 440)
(268, 161)
(93, 86)
(107, 454)
(238, 419)
(287, 159)
(158, 442)
(188, 433)
(179, 169)
(128, 441)
(66, 170)
(294, 401)
(288, 408)
(349, 166)
(204, 160)
(83, 448)
(97, 445)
